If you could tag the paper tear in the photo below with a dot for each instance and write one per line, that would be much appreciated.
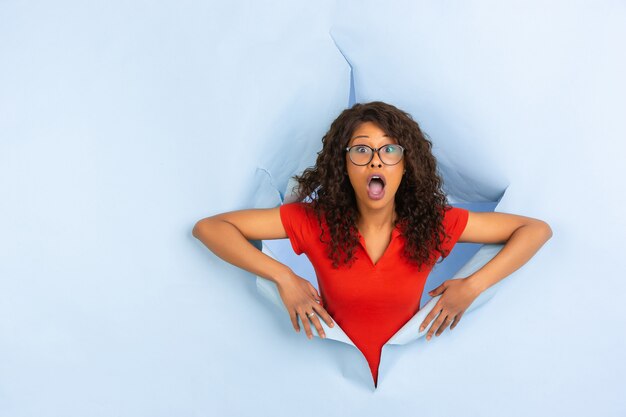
(268, 195)
(352, 96)
(410, 331)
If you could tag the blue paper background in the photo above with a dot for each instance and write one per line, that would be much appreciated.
(122, 123)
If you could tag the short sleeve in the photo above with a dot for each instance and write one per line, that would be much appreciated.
(454, 223)
(296, 219)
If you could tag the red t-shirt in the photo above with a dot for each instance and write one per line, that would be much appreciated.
(370, 302)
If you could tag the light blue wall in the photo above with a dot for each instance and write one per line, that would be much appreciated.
(122, 123)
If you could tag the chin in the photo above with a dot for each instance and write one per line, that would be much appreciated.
(387, 199)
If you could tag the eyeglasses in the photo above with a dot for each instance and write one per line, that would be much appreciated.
(363, 154)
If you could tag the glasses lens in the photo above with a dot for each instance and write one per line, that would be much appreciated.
(360, 155)
(390, 154)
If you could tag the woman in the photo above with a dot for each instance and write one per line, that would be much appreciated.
(374, 223)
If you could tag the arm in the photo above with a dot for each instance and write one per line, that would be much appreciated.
(524, 236)
(227, 234)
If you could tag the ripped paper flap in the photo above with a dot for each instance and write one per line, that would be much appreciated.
(410, 331)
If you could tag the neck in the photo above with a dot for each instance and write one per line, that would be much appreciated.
(376, 219)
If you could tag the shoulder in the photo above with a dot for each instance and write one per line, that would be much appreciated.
(453, 215)
(299, 214)
(298, 219)
(454, 222)
(297, 209)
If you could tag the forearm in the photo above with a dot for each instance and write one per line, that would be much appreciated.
(521, 246)
(227, 242)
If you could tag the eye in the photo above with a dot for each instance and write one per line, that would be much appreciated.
(391, 148)
(361, 149)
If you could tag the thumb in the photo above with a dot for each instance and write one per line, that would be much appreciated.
(314, 292)
(436, 291)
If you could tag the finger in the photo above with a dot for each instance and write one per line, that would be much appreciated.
(436, 310)
(313, 291)
(445, 323)
(325, 316)
(456, 321)
(294, 321)
(318, 325)
(305, 323)
(435, 326)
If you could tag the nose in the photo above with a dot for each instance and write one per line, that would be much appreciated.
(376, 156)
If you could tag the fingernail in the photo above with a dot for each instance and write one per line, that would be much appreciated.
(427, 337)
(323, 336)
(309, 336)
(421, 328)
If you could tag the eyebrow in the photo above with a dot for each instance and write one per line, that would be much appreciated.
(365, 136)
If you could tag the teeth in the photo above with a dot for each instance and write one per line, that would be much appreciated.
(376, 177)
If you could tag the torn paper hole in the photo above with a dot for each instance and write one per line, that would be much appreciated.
(281, 250)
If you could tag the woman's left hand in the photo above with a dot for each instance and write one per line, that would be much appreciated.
(456, 297)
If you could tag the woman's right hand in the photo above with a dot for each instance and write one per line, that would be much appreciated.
(301, 299)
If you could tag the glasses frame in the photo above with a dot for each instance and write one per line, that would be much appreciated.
(377, 151)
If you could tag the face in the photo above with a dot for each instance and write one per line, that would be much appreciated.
(368, 193)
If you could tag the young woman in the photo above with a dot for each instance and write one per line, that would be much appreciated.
(372, 218)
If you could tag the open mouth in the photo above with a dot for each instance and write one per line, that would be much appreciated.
(375, 186)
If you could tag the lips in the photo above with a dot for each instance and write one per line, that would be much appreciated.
(379, 176)
(376, 186)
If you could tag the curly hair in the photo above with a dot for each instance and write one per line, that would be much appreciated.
(419, 201)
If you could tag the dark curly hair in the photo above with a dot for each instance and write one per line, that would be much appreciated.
(419, 201)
